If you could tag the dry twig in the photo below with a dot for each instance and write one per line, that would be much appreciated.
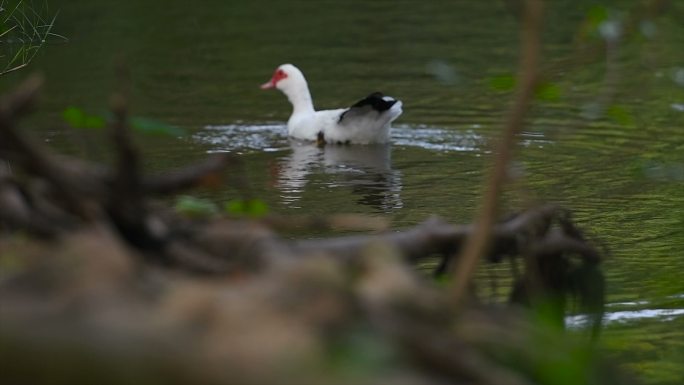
(527, 74)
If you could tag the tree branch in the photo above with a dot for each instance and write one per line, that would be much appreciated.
(478, 241)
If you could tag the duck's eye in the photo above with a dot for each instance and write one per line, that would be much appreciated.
(278, 75)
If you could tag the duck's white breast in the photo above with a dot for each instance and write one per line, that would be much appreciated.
(307, 126)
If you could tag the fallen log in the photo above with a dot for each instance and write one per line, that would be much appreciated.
(103, 250)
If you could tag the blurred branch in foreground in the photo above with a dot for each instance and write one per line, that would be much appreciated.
(478, 242)
(100, 283)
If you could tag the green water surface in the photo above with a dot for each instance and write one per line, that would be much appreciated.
(606, 138)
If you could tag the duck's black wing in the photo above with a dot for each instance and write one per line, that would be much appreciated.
(375, 102)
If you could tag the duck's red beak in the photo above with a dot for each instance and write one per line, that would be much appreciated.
(267, 85)
(278, 75)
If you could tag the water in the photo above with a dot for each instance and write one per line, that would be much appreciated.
(609, 146)
(627, 312)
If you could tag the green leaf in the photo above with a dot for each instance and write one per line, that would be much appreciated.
(502, 82)
(620, 114)
(235, 207)
(155, 127)
(74, 116)
(596, 15)
(195, 207)
(93, 121)
(252, 208)
(257, 208)
(442, 280)
(593, 19)
(77, 118)
(548, 91)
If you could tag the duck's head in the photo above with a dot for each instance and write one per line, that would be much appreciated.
(285, 78)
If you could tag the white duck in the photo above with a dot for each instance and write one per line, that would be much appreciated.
(366, 121)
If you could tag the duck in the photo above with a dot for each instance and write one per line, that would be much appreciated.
(367, 121)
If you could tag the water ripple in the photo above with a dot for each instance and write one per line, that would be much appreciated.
(273, 137)
(229, 137)
(630, 312)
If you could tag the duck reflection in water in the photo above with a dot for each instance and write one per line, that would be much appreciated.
(365, 169)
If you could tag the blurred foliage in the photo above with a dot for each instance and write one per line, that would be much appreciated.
(546, 91)
(359, 353)
(203, 208)
(504, 82)
(250, 207)
(620, 114)
(595, 16)
(155, 127)
(195, 207)
(78, 118)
